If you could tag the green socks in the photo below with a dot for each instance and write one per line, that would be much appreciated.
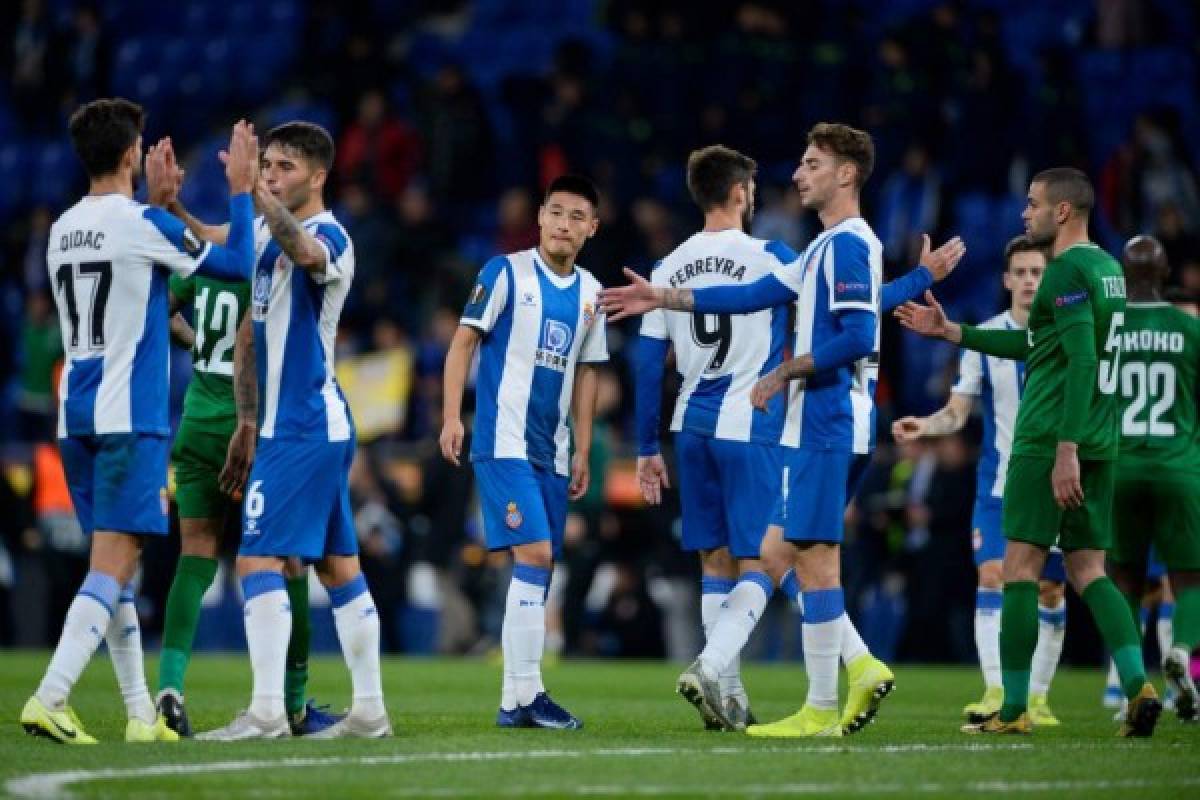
(1120, 631)
(193, 576)
(295, 682)
(1187, 619)
(1018, 639)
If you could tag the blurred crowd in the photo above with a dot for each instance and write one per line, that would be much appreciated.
(449, 117)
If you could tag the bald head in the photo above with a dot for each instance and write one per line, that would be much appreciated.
(1145, 263)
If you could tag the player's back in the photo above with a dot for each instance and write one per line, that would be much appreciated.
(1158, 391)
(217, 310)
(110, 285)
(721, 356)
(295, 316)
(998, 383)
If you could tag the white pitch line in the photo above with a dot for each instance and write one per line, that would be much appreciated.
(55, 784)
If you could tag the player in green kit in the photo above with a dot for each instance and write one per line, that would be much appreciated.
(211, 455)
(1061, 475)
(1158, 469)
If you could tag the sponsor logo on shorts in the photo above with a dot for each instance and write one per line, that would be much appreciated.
(512, 516)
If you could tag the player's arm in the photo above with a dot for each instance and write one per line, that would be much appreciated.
(931, 320)
(240, 455)
(164, 179)
(297, 243)
(855, 340)
(649, 363)
(1076, 329)
(181, 332)
(454, 381)
(583, 412)
(948, 419)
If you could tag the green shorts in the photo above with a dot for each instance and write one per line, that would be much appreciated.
(1160, 512)
(1031, 515)
(198, 456)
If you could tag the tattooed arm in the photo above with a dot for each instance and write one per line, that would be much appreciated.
(297, 244)
(950, 418)
(240, 456)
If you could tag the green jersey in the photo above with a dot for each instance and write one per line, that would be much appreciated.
(218, 308)
(1082, 286)
(1160, 366)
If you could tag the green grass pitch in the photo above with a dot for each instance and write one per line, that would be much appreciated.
(640, 740)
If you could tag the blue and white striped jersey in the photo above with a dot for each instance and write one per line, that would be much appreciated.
(721, 356)
(295, 315)
(109, 259)
(841, 270)
(536, 327)
(999, 382)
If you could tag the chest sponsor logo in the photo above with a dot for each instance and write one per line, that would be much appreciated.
(553, 350)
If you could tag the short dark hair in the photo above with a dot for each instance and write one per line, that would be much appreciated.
(574, 184)
(1020, 244)
(101, 132)
(1068, 185)
(306, 138)
(847, 144)
(713, 171)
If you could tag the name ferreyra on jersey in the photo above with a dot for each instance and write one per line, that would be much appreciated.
(295, 315)
(721, 356)
(109, 259)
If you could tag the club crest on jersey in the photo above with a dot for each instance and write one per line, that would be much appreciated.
(261, 294)
(512, 516)
(555, 344)
(589, 314)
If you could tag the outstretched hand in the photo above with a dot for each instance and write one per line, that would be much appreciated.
(241, 159)
(164, 176)
(941, 262)
(927, 320)
(638, 297)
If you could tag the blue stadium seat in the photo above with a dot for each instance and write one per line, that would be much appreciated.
(14, 176)
(54, 174)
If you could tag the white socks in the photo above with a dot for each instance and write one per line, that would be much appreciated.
(357, 624)
(727, 635)
(1052, 625)
(268, 628)
(523, 635)
(823, 630)
(853, 645)
(987, 634)
(86, 623)
(124, 640)
(1165, 628)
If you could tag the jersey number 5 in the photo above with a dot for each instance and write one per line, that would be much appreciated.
(1110, 365)
(713, 330)
(99, 275)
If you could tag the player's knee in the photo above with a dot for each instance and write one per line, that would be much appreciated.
(1051, 593)
(332, 570)
(718, 563)
(198, 541)
(535, 554)
(991, 575)
(115, 554)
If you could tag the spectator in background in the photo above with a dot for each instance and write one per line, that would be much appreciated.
(516, 218)
(83, 57)
(909, 205)
(34, 261)
(29, 67)
(377, 151)
(458, 133)
(41, 349)
(379, 288)
(1181, 244)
